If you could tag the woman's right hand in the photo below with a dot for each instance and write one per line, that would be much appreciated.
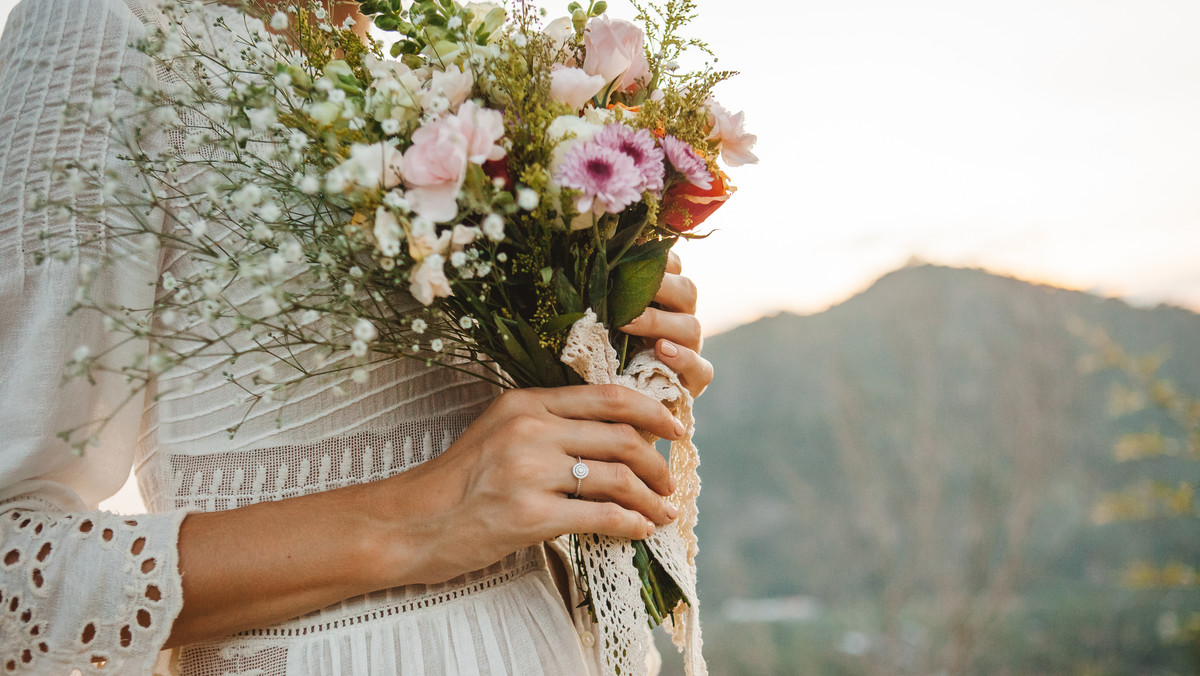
(505, 483)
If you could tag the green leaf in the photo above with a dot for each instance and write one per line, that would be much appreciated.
(635, 284)
(561, 323)
(650, 250)
(623, 239)
(522, 361)
(598, 285)
(566, 293)
(548, 370)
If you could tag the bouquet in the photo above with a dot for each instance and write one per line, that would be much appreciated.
(493, 194)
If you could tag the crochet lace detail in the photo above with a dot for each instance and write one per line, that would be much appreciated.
(623, 645)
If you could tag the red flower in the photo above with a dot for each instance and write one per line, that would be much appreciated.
(685, 206)
(498, 169)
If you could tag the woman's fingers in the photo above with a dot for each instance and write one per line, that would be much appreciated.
(618, 444)
(612, 403)
(674, 264)
(615, 482)
(606, 518)
(677, 327)
(694, 371)
(677, 294)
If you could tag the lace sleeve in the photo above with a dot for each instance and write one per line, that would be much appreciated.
(79, 589)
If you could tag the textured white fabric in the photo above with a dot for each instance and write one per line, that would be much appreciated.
(120, 574)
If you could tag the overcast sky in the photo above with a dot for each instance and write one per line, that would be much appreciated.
(1057, 140)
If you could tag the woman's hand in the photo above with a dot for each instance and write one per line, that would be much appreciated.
(504, 484)
(675, 329)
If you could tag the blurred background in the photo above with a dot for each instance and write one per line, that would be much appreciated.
(953, 312)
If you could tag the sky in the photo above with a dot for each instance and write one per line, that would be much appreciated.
(1054, 140)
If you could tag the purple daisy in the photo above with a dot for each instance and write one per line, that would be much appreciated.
(600, 173)
(687, 162)
(639, 145)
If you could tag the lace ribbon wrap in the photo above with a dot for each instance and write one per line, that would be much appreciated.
(623, 644)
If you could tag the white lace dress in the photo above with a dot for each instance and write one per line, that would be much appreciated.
(82, 589)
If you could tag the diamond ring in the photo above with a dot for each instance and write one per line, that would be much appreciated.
(580, 472)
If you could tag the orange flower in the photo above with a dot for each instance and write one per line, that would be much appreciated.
(659, 130)
(685, 206)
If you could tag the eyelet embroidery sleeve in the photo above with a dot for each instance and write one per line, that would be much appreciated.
(80, 589)
(92, 591)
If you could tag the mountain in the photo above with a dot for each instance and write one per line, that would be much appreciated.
(921, 462)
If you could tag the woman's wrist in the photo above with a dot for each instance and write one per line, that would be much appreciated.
(393, 540)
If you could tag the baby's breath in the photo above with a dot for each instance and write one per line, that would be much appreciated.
(324, 207)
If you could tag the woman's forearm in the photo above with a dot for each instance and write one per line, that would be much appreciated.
(266, 563)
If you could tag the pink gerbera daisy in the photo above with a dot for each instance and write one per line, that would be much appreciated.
(639, 145)
(687, 162)
(602, 174)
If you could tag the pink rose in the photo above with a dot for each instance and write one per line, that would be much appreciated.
(482, 127)
(730, 130)
(573, 86)
(615, 53)
(436, 164)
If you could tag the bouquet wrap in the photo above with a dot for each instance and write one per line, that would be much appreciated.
(608, 562)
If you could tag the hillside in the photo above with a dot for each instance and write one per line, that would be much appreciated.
(921, 461)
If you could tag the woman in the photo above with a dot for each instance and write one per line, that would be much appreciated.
(395, 530)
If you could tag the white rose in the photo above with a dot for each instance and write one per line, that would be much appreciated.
(573, 87)
(373, 166)
(580, 131)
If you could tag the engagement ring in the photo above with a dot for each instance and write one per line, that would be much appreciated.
(580, 472)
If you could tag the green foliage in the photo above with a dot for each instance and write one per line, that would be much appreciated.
(428, 27)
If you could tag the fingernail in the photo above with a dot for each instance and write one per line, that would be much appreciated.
(652, 527)
(674, 485)
(672, 511)
(668, 348)
(679, 428)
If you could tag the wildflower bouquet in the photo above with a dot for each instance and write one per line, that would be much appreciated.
(489, 192)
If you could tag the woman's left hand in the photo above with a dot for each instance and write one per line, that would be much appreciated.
(675, 329)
